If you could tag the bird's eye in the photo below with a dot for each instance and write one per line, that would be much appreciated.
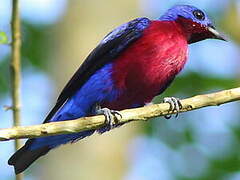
(199, 15)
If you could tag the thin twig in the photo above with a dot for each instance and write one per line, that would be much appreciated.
(15, 70)
(137, 114)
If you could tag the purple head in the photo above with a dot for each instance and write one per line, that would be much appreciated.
(195, 22)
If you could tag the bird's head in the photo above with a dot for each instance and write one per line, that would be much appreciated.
(196, 24)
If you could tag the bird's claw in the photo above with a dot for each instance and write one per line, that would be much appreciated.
(110, 115)
(175, 106)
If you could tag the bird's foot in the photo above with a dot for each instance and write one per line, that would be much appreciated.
(111, 116)
(175, 105)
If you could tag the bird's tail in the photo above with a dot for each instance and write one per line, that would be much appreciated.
(35, 148)
(24, 157)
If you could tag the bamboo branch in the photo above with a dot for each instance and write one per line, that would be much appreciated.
(137, 114)
(15, 70)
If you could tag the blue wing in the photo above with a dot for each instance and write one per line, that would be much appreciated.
(107, 50)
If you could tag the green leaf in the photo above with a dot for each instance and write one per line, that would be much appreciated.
(3, 38)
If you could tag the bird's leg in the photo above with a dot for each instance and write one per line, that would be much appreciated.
(110, 115)
(175, 105)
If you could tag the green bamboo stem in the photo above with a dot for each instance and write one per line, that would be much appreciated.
(15, 70)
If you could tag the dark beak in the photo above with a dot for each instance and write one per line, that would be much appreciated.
(215, 34)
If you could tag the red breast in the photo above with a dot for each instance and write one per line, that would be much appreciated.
(148, 66)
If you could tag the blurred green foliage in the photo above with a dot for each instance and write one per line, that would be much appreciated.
(4, 77)
(194, 83)
(230, 20)
(35, 52)
(3, 38)
(35, 45)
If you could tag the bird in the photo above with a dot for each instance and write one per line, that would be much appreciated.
(131, 65)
